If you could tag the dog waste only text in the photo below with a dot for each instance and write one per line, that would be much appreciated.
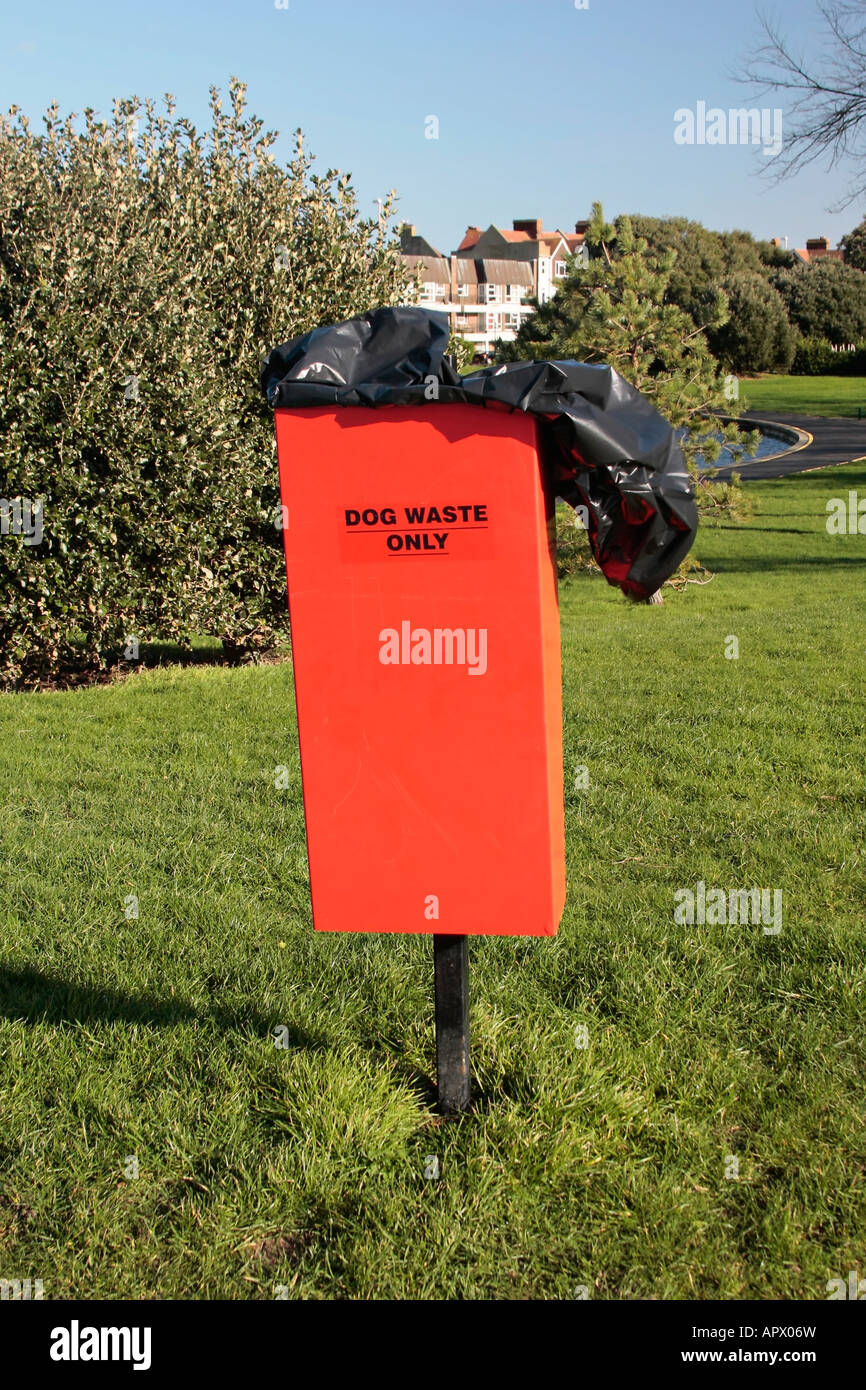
(416, 530)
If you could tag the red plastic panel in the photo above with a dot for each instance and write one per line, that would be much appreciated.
(425, 639)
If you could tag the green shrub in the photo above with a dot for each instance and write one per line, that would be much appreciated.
(757, 336)
(143, 275)
(573, 553)
(826, 299)
(615, 309)
(817, 357)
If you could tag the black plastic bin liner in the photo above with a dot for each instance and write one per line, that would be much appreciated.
(605, 445)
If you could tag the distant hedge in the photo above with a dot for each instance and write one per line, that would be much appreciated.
(818, 357)
(145, 269)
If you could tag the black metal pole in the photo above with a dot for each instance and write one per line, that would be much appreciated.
(451, 979)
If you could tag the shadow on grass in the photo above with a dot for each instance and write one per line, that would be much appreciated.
(206, 651)
(36, 997)
(421, 1083)
(202, 653)
(786, 530)
(747, 563)
(487, 1089)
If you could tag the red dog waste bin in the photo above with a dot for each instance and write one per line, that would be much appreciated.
(425, 638)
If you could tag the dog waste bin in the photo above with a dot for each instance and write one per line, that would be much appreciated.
(425, 642)
(419, 540)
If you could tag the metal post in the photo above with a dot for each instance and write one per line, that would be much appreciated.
(451, 978)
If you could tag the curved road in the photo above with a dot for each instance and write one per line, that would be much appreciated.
(835, 439)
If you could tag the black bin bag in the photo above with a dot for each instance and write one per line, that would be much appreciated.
(605, 446)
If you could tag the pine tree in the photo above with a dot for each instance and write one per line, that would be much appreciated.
(615, 310)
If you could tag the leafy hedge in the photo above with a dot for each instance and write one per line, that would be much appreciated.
(143, 275)
(826, 299)
(817, 357)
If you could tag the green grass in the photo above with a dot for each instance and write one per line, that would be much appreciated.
(809, 395)
(603, 1166)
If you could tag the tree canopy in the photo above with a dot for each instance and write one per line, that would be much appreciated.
(825, 300)
(145, 269)
(707, 261)
(617, 310)
(854, 246)
(757, 336)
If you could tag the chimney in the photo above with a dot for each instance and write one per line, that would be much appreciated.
(818, 243)
(532, 225)
(581, 228)
(470, 237)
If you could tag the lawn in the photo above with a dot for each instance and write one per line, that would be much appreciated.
(707, 1142)
(808, 395)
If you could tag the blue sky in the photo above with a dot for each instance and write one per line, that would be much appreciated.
(542, 107)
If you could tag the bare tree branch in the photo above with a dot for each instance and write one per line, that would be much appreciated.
(826, 117)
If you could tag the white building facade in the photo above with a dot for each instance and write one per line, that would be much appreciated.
(485, 285)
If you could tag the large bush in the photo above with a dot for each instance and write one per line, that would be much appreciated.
(817, 357)
(825, 300)
(854, 246)
(704, 259)
(145, 268)
(757, 336)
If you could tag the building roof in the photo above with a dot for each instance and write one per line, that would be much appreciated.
(434, 269)
(467, 271)
(817, 248)
(505, 272)
(413, 245)
(809, 254)
(519, 243)
(490, 270)
(516, 243)
(469, 240)
(509, 258)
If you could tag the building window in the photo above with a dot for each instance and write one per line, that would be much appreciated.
(462, 291)
(559, 268)
(427, 292)
(492, 323)
(512, 321)
(494, 294)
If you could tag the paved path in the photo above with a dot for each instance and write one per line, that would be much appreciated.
(835, 439)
